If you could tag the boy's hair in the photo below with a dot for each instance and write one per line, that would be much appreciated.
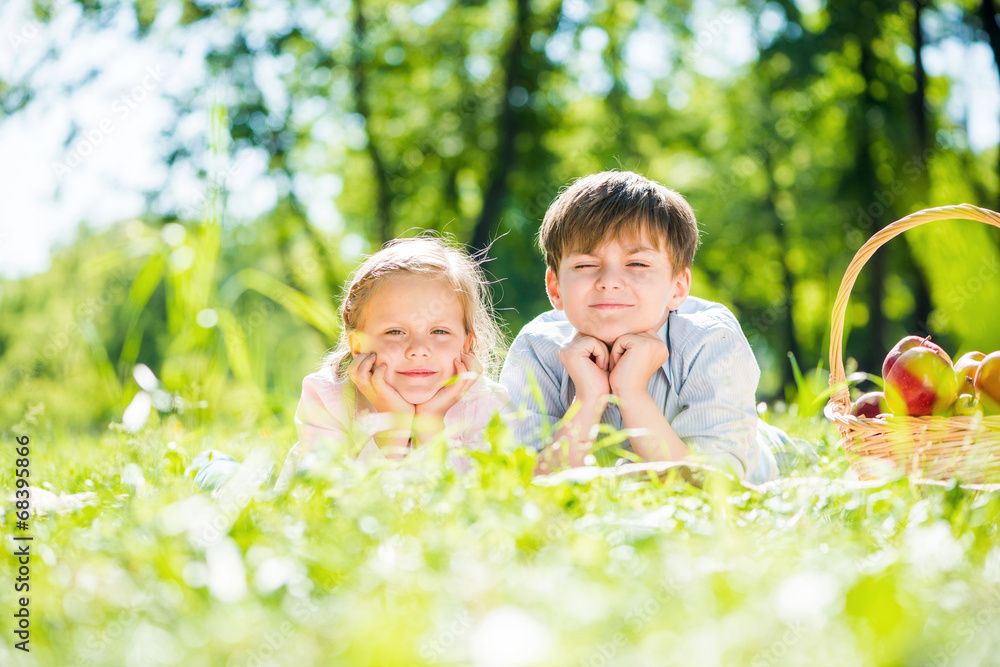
(619, 205)
(424, 256)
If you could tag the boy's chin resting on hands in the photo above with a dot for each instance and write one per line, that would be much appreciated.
(634, 359)
(623, 369)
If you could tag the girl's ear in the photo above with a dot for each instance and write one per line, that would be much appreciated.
(469, 340)
(354, 342)
(552, 288)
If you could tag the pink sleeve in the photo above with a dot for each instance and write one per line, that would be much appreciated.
(486, 399)
(323, 417)
(327, 418)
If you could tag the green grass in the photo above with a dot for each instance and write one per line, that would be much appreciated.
(413, 564)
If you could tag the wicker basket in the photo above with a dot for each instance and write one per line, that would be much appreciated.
(963, 448)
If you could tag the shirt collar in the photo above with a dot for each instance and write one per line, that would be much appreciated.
(664, 334)
(665, 329)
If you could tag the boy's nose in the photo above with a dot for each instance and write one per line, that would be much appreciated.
(610, 279)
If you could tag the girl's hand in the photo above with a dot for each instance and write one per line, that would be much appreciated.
(467, 371)
(369, 378)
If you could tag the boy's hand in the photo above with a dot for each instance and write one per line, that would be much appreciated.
(586, 360)
(370, 381)
(467, 371)
(634, 359)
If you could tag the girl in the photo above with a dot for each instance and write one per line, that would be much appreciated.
(417, 353)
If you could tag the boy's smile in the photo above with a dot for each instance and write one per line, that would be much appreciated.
(620, 287)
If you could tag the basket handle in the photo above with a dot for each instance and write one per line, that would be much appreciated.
(841, 397)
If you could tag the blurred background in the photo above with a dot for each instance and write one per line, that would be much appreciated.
(186, 184)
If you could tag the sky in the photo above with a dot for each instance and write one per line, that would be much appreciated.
(49, 188)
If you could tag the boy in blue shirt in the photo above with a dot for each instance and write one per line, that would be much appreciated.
(619, 249)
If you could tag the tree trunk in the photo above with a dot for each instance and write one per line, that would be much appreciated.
(326, 263)
(921, 293)
(871, 357)
(788, 280)
(988, 15)
(919, 98)
(791, 339)
(623, 148)
(383, 197)
(507, 129)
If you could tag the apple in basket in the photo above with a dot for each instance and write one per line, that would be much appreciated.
(965, 371)
(870, 405)
(908, 343)
(966, 405)
(921, 382)
(988, 383)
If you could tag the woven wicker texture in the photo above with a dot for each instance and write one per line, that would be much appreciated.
(963, 448)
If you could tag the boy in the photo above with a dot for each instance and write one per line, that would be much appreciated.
(619, 250)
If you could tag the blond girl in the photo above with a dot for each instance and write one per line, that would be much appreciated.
(417, 355)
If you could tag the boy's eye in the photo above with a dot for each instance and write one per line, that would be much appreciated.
(584, 266)
(642, 264)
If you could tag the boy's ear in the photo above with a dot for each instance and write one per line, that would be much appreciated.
(552, 288)
(682, 288)
(469, 340)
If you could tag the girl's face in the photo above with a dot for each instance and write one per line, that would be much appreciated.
(415, 326)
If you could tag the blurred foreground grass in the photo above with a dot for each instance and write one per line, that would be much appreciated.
(413, 564)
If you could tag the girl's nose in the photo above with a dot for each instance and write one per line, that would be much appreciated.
(417, 348)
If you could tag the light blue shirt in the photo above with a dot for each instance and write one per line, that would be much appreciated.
(706, 388)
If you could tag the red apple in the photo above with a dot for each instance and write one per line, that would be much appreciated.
(908, 343)
(870, 405)
(965, 406)
(920, 382)
(988, 383)
(965, 370)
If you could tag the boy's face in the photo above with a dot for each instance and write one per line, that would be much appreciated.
(620, 287)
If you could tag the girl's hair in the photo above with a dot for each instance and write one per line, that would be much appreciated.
(424, 256)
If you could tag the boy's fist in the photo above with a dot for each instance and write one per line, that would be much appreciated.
(586, 359)
(634, 359)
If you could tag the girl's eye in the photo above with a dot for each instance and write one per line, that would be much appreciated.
(394, 332)
(441, 331)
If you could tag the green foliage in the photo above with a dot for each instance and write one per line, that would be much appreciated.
(469, 117)
(411, 563)
(227, 339)
(792, 158)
